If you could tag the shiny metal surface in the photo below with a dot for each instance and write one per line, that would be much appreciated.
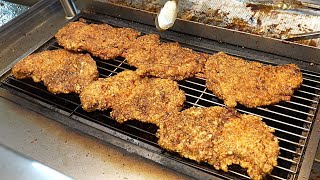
(69, 8)
(16, 166)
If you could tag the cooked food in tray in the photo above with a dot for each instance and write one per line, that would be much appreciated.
(60, 70)
(100, 40)
(221, 137)
(132, 97)
(164, 60)
(250, 83)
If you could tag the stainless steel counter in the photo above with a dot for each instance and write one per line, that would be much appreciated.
(71, 152)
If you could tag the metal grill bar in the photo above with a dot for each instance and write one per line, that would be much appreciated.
(285, 115)
(305, 92)
(285, 169)
(310, 87)
(291, 102)
(239, 174)
(276, 177)
(312, 75)
(283, 107)
(313, 101)
(311, 80)
(289, 160)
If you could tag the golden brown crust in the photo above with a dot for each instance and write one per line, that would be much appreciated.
(247, 141)
(191, 132)
(164, 60)
(104, 93)
(150, 101)
(132, 97)
(221, 137)
(100, 40)
(60, 70)
(250, 83)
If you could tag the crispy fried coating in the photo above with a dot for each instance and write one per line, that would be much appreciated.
(104, 93)
(221, 137)
(250, 83)
(60, 70)
(191, 132)
(132, 97)
(150, 101)
(164, 60)
(247, 141)
(100, 40)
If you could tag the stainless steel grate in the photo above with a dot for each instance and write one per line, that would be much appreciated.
(292, 120)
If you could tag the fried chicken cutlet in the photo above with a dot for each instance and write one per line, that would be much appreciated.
(247, 141)
(164, 60)
(60, 70)
(150, 101)
(221, 137)
(251, 84)
(104, 93)
(101, 40)
(132, 97)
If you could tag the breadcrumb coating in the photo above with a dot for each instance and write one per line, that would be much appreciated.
(251, 84)
(60, 70)
(164, 60)
(221, 137)
(101, 40)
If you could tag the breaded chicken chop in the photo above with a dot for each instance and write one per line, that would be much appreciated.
(60, 70)
(250, 83)
(132, 97)
(164, 60)
(150, 101)
(221, 137)
(104, 93)
(247, 141)
(100, 40)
